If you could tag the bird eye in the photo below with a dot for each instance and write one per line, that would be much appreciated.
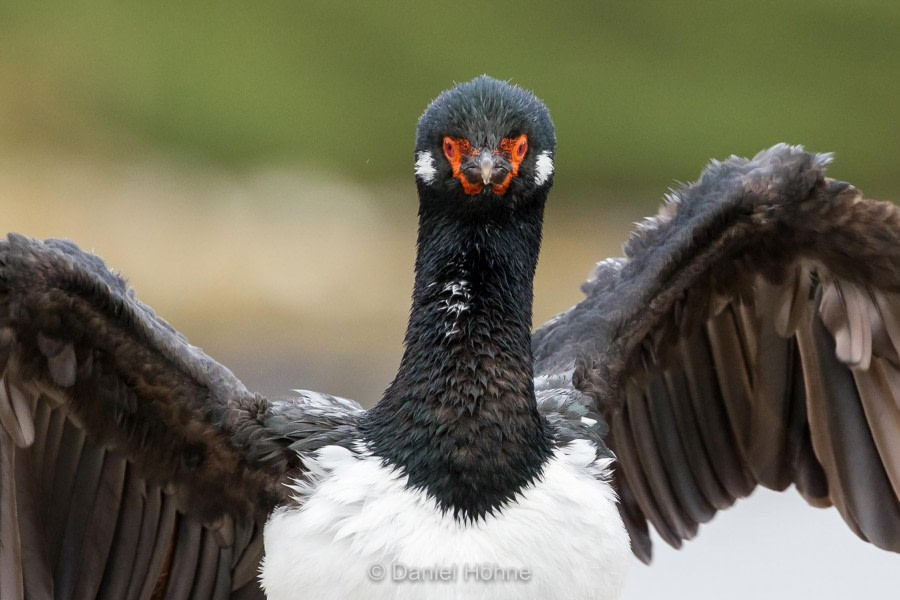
(449, 148)
(521, 147)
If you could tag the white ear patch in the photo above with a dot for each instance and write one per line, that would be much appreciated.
(425, 166)
(543, 168)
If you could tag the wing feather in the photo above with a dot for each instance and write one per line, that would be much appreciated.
(222, 582)
(207, 564)
(133, 516)
(635, 521)
(152, 518)
(878, 389)
(81, 496)
(96, 543)
(888, 324)
(712, 417)
(42, 419)
(132, 463)
(679, 469)
(751, 335)
(686, 424)
(769, 439)
(16, 414)
(734, 380)
(161, 543)
(859, 470)
(808, 474)
(636, 479)
(36, 574)
(63, 490)
(183, 563)
(658, 479)
(55, 428)
(246, 566)
(11, 576)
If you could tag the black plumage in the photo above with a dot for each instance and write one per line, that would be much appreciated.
(750, 335)
(461, 417)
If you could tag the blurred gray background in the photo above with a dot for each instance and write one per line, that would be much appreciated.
(249, 167)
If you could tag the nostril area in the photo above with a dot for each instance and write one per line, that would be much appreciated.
(498, 174)
(472, 173)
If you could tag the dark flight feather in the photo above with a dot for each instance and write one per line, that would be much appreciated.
(765, 297)
(148, 462)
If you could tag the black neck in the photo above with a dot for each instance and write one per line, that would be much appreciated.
(460, 418)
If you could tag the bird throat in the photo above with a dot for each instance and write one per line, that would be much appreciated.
(460, 418)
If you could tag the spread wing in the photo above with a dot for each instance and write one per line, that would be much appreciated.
(131, 464)
(750, 336)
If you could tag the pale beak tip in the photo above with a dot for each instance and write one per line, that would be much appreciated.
(487, 166)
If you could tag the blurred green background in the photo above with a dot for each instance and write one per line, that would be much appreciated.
(249, 164)
(642, 93)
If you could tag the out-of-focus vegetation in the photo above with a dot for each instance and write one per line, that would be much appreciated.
(643, 93)
(249, 164)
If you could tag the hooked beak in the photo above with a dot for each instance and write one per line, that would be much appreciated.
(486, 168)
(487, 165)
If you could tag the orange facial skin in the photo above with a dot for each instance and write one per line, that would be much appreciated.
(455, 150)
(516, 150)
(512, 149)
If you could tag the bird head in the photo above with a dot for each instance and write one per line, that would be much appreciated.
(485, 141)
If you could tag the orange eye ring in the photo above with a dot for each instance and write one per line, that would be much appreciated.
(455, 149)
(515, 149)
